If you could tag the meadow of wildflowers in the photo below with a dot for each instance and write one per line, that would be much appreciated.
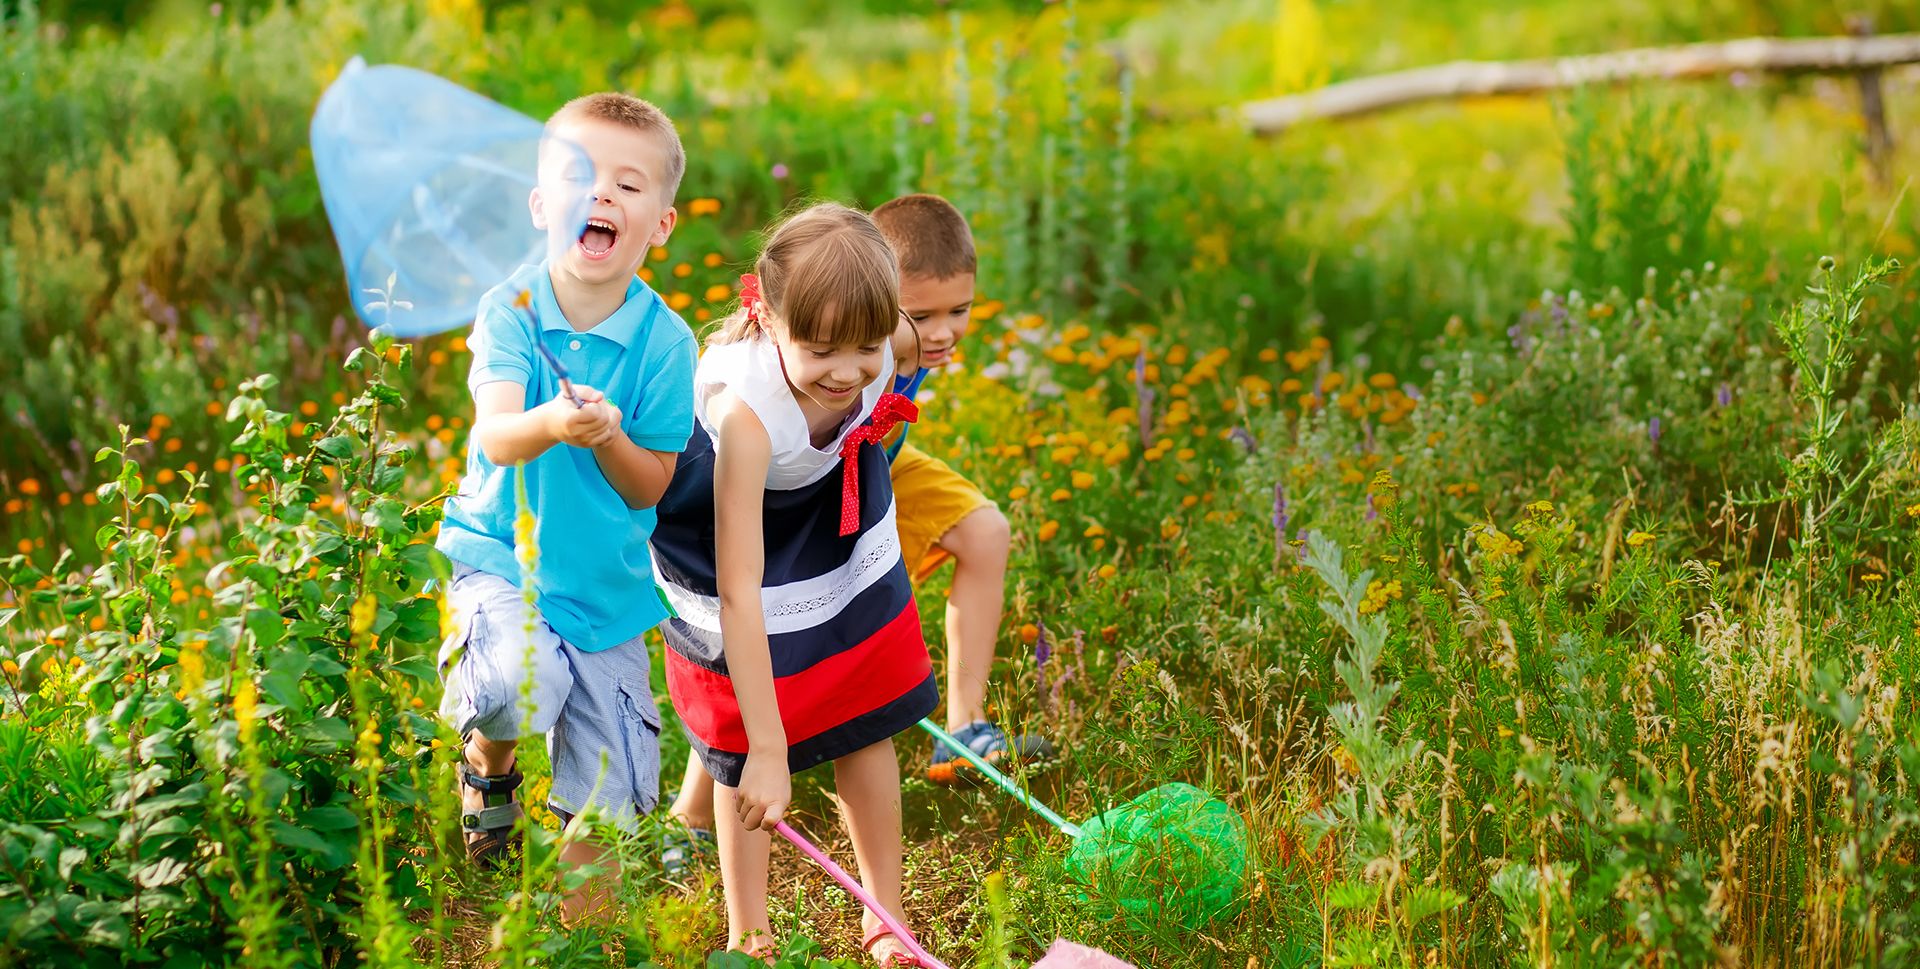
(1508, 508)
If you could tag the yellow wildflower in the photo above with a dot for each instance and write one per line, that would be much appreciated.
(1637, 539)
(246, 702)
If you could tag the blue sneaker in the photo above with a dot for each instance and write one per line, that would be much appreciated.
(991, 743)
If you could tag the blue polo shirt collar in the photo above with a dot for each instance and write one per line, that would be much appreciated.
(622, 327)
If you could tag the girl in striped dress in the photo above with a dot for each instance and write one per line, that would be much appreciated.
(797, 641)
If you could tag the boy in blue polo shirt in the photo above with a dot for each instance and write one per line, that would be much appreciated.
(593, 457)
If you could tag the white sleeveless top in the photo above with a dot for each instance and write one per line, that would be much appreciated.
(751, 369)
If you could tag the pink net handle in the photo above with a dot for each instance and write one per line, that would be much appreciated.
(873, 905)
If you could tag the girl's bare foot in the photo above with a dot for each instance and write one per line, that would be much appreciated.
(758, 945)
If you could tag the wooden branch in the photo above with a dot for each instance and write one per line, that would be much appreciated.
(1473, 78)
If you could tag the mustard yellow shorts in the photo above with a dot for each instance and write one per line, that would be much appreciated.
(931, 499)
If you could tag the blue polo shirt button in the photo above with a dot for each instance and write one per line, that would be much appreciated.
(573, 345)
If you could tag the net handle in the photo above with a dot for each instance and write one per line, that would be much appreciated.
(873, 904)
(1005, 783)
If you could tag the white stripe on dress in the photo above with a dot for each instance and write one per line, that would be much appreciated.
(804, 604)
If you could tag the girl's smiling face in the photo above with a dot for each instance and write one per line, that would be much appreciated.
(827, 378)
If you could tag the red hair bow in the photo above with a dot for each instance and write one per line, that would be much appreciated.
(889, 411)
(750, 298)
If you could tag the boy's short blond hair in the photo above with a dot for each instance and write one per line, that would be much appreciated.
(929, 235)
(627, 111)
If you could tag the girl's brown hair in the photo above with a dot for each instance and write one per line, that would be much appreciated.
(829, 275)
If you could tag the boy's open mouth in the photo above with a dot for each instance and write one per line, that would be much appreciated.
(596, 240)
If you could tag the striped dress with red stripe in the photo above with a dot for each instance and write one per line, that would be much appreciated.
(850, 666)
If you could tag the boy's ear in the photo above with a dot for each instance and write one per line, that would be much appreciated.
(665, 228)
(537, 209)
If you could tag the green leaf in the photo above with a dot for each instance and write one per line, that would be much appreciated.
(282, 681)
(324, 665)
(387, 515)
(157, 874)
(339, 446)
(110, 932)
(69, 859)
(328, 854)
(388, 478)
(267, 628)
(419, 667)
(1425, 901)
(330, 817)
(1352, 894)
(6, 615)
(421, 562)
(331, 731)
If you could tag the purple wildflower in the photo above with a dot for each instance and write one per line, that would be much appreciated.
(1517, 335)
(926, 117)
(1653, 430)
(1279, 515)
(1042, 647)
(779, 171)
(1246, 438)
(1724, 395)
(1372, 512)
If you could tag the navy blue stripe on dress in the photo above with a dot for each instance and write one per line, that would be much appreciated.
(792, 652)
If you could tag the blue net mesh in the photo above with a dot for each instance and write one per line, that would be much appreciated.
(426, 186)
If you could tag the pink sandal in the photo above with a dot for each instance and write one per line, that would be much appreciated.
(897, 959)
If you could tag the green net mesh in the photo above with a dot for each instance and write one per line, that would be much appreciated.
(1171, 853)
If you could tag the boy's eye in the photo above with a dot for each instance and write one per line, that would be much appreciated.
(918, 317)
(875, 348)
(821, 354)
(628, 188)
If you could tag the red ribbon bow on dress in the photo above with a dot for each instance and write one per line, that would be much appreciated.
(889, 411)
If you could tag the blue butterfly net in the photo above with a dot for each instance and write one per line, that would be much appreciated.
(426, 185)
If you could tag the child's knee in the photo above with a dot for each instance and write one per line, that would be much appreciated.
(984, 535)
(504, 673)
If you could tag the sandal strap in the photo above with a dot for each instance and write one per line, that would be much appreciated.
(898, 958)
(494, 818)
(489, 783)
